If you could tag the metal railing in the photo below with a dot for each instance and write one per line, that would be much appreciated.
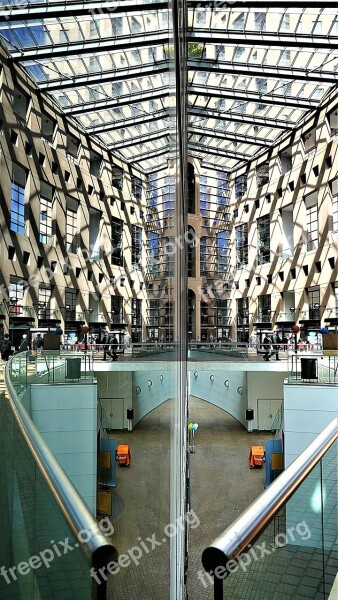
(218, 558)
(65, 506)
(226, 349)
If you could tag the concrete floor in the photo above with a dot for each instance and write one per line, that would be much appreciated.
(222, 486)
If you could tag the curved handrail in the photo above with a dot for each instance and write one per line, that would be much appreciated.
(250, 524)
(78, 516)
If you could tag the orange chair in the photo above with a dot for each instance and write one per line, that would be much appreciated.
(256, 456)
(123, 455)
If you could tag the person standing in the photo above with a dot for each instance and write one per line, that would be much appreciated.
(105, 342)
(267, 347)
(275, 345)
(5, 348)
(114, 346)
(23, 344)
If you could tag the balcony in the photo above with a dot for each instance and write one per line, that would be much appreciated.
(24, 312)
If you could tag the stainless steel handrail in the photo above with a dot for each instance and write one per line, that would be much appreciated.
(250, 524)
(79, 518)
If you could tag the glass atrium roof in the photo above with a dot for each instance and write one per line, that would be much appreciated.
(253, 72)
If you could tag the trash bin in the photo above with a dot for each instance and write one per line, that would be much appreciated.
(308, 368)
(73, 368)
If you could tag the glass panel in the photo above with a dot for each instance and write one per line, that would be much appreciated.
(295, 556)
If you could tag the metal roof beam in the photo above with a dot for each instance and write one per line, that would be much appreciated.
(232, 137)
(147, 137)
(243, 119)
(238, 96)
(43, 10)
(264, 4)
(124, 123)
(104, 77)
(218, 151)
(81, 109)
(258, 38)
(249, 70)
(149, 155)
(206, 163)
(93, 46)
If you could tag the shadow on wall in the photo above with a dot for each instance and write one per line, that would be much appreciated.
(227, 391)
(151, 389)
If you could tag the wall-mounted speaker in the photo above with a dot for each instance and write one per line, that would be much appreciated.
(249, 414)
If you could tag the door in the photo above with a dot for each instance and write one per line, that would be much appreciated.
(112, 413)
(267, 410)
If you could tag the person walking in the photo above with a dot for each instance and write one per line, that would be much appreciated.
(114, 346)
(38, 342)
(267, 347)
(23, 344)
(275, 345)
(5, 348)
(105, 342)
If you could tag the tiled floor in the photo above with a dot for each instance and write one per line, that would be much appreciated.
(222, 485)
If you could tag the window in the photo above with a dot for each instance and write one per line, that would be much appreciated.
(73, 146)
(153, 252)
(239, 51)
(239, 21)
(241, 186)
(16, 290)
(95, 163)
(136, 246)
(242, 245)
(136, 187)
(169, 195)
(117, 25)
(334, 195)
(117, 177)
(154, 313)
(285, 58)
(312, 225)
(222, 248)
(169, 252)
(45, 296)
(260, 21)
(222, 312)
(116, 242)
(18, 208)
(285, 161)
(204, 255)
(116, 307)
(203, 194)
(46, 220)
(242, 319)
(220, 52)
(136, 26)
(285, 22)
(222, 189)
(152, 190)
(317, 27)
(313, 296)
(70, 304)
(136, 320)
(48, 127)
(263, 240)
(264, 308)
(261, 85)
(71, 224)
(285, 89)
(262, 174)
(201, 16)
